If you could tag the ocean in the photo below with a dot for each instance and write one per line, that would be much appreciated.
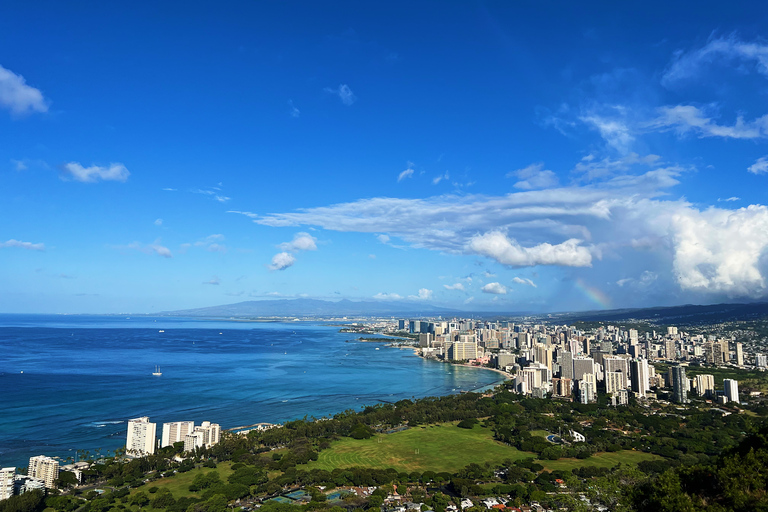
(71, 382)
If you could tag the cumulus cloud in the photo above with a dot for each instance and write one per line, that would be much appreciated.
(533, 176)
(17, 96)
(424, 294)
(286, 258)
(722, 250)
(685, 119)
(618, 217)
(507, 251)
(494, 288)
(282, 261)
(344, 93)
(457, 286)
(158, 222)
(94, 173)
(22, 245)
(383, 238)
(387, 296)
(759, 167)
(523, 280)
(300, 242)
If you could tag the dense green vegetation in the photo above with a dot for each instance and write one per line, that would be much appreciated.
(439, 449)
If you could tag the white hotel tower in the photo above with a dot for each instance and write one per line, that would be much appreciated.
(142, 437)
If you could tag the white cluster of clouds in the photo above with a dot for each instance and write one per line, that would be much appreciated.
(94, 173)
(534, 176)
(494, 288)
(22, 245)
(524, 280)
(622, 215)
(286, 258)
(17, 96)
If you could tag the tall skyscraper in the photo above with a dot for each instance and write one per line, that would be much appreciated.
(207, 434)
(731, 390)
(679, 384)
(45, 469)
(739, 354)
(142, 437)
(705, 385)
(175, 432)
(565, 358)
(7, 478)
(640, 376)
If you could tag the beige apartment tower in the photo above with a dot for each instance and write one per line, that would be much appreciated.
(45, 469)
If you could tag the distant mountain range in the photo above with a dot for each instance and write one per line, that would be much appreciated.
(682, 315)
(314, 308)
(687, 314)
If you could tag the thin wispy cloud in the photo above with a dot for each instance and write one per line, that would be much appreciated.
(22, 245)
(524, 280)
(214, 193)
(112, 172)
(456, 286)
(17, 96)
(438, 179)
(295, 112)
(344, 93)
(152, 249)
(387, 296)
(213, 281)
(689, 119)
(408, 173)
(687, 66)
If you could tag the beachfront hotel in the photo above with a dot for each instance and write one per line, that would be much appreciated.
(142, 437)
(7, 478)
(45, 469)
(207, 434)
(175, 432)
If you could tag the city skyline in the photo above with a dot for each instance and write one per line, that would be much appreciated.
(484, 157)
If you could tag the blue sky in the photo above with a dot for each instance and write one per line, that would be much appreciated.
(506, 156)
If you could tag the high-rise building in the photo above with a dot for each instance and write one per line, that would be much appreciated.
(615, 381)
(565, 358)
(679, 384)
(731, 390)
(175, 432)
(142, 437)
(45, 469)
(705, 385)
(588, 388)
(640, 376)
(761, 360)
(581, 366)
(739, 354)
(207, 434)
(7, 478)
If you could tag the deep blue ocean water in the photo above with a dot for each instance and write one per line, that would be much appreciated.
(85, 376)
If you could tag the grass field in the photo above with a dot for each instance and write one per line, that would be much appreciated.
(447, 448)
(602, 460)
(436, 448)
(179, 484)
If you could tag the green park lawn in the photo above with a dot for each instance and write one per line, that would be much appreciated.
(600, 460)
(436, 447)
(179, 483)
(448, 448)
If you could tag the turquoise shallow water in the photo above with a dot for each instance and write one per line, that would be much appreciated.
(85, 376)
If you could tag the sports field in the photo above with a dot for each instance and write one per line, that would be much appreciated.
(436, 448)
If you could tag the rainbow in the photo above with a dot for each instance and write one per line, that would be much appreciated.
(595, 295)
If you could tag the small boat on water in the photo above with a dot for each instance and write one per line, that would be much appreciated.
(161, 330)
(157, 371)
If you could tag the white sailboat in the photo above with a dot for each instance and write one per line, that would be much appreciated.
(157, 371)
